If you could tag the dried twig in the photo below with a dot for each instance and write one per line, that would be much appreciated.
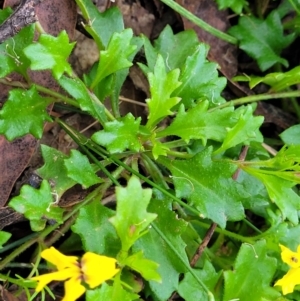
(21, 17)
(213, 226)
(204, 244)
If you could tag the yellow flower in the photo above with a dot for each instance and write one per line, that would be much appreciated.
(92, 269)
(292, 277)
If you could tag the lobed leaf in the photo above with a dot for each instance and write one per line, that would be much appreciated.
(80, 170)
(235, 5)
(263, 40)
(11, 51)
(158, 149)
(208, 186)
(200, 79)
(24, 112)
(190, 290)
(155, 248)
(132, 218)
(253, 272)
(198, 123)
(173, 48)
(51, 53)
(280, 192)
(77, 89)
(244, 131)
(37, 205)
(119, 135)
(147, 268)
(162, 85)
(112, 293)
(96, 232)
(101, 26)
(278, 81)
(115, 57)
(54, 170)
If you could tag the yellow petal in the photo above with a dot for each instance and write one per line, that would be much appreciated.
(290, 257)
(60, 260)
(73, 289)
(289, 280)
(97, 269)
(59, 276)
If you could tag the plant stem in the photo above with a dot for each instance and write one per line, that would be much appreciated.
(188, 15)
(179, 154)
(164, 191)
(175, 143)
(57, 95)
(256, 98)
(49, 229)
(63, 229)
(296, 107)
(42, 89)
(162, 235)
(18, 242)
(225, 232)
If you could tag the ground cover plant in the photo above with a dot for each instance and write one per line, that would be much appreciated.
(195, 197)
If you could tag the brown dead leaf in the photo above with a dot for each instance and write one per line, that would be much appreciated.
(275, 115)
(9, 216)
(137, 17)
(14, 157)
(8, 296)
(224, 53)
(58, 15)
(54, 16)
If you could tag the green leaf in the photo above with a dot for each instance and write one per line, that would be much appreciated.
(190, 290)
(115, 57)
(277, 80)
(285, 160)
(101, 26)
(280, 191)
(155, 248)
(24, 112)
(132, 219)
(147, 268)
(37, 205)
(235, 5)
(173, 48)
(256, 197)
(162, 85)
(197, 123)
(77, 89)
(198, 76)
(51, 53)
(80, 170)
(4, 237)
(263, 40)
(158, 149)
(208, 186)
(244, 131)
(96, 232)
(54, 170)
(11, 51)
(200, 79)
(111, 293)
(291, 136)
(286, 234)
(120, 77)
(119, 135)
(252, 275)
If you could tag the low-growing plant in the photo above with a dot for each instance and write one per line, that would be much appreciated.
(196, 164)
